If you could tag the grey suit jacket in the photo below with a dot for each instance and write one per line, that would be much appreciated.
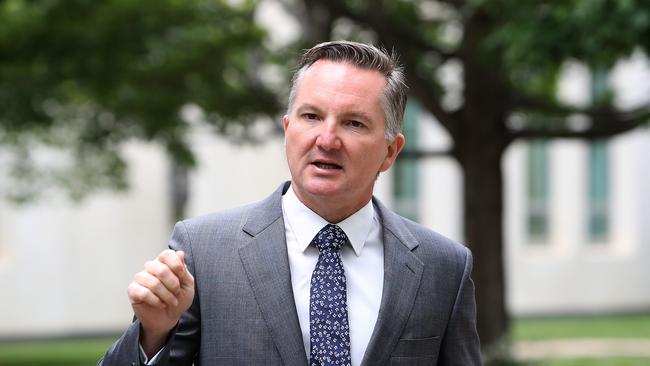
(244, 312)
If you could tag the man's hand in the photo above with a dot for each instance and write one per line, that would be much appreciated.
(159, 295)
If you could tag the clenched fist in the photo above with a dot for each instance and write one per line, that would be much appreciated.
(159, 295)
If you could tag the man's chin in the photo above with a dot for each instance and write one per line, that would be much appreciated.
(324, 190)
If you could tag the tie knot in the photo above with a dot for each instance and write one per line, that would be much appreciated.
(330, 238)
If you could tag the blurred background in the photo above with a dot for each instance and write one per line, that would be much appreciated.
(527, 139)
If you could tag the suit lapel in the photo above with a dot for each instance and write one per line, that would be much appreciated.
(266, 264)
(402, 275)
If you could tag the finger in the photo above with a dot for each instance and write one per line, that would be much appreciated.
(176, 262)
(181, 256)
(147, 280)
(173, 261)
(164, 274)
(187, 278)
(139, 294)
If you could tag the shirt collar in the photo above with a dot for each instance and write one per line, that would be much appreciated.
(305, 223)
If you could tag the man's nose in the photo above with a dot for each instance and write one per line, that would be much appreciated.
(328, 136)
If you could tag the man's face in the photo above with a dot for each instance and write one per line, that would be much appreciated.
(334, 137)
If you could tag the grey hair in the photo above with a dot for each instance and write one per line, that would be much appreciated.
(366, 57)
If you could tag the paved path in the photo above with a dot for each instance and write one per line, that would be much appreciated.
(581, 347)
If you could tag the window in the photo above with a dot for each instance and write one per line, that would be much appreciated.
(406, 172)
(538, 190)
(598, 165)
(598, 191)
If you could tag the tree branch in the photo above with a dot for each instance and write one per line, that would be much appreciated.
(422, 89)
(317, 21)
(386, 28)
(524, 102)
(605, 122)
(458, 4)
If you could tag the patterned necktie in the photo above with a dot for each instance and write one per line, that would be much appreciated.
(328, 309)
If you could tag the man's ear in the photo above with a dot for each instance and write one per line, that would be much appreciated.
(285, 122)
(392, 150)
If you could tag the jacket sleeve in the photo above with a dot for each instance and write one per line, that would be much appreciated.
(460, 345)
(126, 350)
(182, 346)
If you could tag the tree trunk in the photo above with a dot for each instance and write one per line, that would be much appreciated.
(178, 189)
(483, 225)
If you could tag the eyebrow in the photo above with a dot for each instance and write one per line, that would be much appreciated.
(307, 106)
(352, 114)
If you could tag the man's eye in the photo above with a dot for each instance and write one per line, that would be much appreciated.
(356, 124)
(310, 116)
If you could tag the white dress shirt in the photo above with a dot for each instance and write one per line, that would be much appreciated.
(363, 263)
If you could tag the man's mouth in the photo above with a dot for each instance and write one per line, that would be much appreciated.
(322, 165)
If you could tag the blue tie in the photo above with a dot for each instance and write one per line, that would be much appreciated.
(328, 308)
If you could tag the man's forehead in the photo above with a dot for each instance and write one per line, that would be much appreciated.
(341, 75)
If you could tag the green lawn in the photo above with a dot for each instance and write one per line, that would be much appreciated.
(599, 362)
(82, 352)
(624, 326)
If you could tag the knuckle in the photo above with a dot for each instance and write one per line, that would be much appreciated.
(135, 292)
(138, 277)
(165, 254)
(172, 283)
(154, 267)
(152, 299)
(177, 282)
(176, 267)
(158, 287)
(147, 280)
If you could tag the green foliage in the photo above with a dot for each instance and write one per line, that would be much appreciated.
(87, 76)
(543, 33)
(534, 38)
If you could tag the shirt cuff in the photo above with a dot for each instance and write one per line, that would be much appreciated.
(147, 361)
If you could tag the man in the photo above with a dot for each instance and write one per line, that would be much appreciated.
(319, 273)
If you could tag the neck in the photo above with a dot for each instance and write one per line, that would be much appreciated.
(331, 209)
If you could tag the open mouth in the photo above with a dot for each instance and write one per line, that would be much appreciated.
(322, 165)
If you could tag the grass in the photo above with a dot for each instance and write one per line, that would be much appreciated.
(80, 352)
(607, 361)
(621, 361)
(622, 326)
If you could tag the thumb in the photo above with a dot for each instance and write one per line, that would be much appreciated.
(185, 277)
(181, 256)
